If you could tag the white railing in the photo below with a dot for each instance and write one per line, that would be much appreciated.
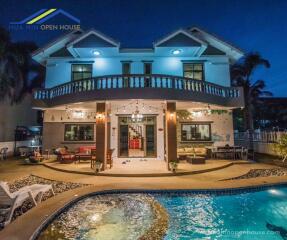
(138, 81)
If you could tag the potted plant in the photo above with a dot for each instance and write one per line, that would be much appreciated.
(173, 166)
(98, 166)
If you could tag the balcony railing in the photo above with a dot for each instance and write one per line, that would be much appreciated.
(132, 81)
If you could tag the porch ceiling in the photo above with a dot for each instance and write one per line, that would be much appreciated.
(180, 105)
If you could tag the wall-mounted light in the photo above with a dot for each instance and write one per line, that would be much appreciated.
(197, 114)
(96, 52)
(171, 116)
(176, 51)
(100, 116)
(78, 114)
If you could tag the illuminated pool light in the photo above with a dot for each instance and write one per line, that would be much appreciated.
(276, 192)
(176, 51)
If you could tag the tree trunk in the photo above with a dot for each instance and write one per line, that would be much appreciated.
(248, 118)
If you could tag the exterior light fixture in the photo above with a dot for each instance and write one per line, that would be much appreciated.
(100, 116)
(78, 114)
(96, 52)
(176, 51)
(197, 114)
(136, 116)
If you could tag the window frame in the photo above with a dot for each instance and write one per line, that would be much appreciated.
(82, 72)
(196, 123)
(79, 124)
(130, 67)
(145, 64)
(194, 63)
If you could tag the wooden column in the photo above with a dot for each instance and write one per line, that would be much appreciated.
(171, 138)
(101, 134)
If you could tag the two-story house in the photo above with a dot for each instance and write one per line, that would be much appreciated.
(143, 103)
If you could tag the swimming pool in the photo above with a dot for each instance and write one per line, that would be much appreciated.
(189, 215)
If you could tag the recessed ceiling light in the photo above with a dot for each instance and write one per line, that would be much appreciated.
(176, 51)
(96, 53)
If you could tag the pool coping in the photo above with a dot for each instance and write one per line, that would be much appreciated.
(56, 205)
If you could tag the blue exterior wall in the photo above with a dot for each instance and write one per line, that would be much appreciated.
(216, 68)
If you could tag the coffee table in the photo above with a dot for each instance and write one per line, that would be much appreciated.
(82, 156)
(195, 159)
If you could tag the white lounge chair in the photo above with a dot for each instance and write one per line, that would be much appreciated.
(11, 201)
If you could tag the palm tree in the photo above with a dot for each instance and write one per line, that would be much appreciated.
(241, 75)
(18, 73)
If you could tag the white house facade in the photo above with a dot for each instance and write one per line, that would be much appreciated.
(142, 103)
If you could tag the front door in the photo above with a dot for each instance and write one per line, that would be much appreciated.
(137, 138)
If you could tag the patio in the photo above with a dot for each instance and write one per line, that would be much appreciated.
(149, 168)
(24, 226)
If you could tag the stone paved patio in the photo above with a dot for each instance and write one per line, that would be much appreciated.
(24, 226)
(143, 168)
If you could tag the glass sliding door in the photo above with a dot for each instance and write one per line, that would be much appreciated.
(137, 138)
(150, 141)
(124, 140)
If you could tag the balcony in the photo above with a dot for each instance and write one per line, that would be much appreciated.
(139, 86)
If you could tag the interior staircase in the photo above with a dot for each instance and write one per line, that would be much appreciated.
(137, 130)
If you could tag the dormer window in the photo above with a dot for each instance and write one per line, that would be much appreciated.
(81, 71)
(193, 70)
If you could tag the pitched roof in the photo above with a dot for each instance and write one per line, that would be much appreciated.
(208, 44)
(179, 38)
(93, 38)
(62, 52)
(64, 38)
(233, 52)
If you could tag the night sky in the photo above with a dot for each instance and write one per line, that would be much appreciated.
(252, 25)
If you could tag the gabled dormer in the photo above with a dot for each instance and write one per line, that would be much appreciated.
(56, 48)
(93, 43)
(216, 46)
(180, 42)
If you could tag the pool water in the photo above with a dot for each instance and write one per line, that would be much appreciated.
(255, 215)
(103, 217)
(252, 215)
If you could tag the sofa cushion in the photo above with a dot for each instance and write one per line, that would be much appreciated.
(201, 151)
(86, 149)
(180, 150)
(190, 150)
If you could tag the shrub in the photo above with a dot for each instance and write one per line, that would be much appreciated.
(281, 147)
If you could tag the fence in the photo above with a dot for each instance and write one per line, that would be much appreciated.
(259, 141)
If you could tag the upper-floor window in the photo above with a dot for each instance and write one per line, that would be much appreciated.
(193, 70)
(126, 68)
(81, 71)
(147, 68)
(147, 71)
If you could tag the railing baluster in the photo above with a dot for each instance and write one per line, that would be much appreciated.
(137, 81)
